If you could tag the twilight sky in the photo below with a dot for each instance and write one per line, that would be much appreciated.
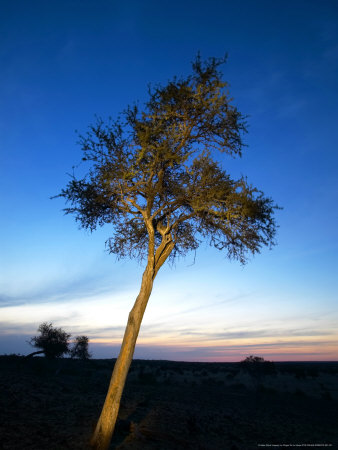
(63, 62)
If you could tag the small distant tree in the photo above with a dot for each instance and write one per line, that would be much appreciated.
(53, 342)
(257, 366)
(80, 348)
(252, 360)
(155, 177)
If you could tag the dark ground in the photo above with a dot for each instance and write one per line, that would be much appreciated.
(169, 405)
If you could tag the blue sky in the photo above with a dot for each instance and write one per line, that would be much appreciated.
(62, 63)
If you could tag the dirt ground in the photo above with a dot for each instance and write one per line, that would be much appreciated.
(54, 405)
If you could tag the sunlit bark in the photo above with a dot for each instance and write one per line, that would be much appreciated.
(106, 423)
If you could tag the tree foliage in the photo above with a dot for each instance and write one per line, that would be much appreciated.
(80, 348)
(53, 342)
(256, 366)
(154, 177)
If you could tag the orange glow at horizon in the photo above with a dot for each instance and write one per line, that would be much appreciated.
(237, 349)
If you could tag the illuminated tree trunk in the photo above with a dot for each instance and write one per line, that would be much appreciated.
(106, 423)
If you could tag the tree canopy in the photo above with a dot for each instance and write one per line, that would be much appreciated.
(54, 342)
(80, 348)
(154, 178)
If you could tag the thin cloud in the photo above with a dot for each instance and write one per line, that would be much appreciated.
(8, 300)
(65, 290)
(254, 334)
(211, 305)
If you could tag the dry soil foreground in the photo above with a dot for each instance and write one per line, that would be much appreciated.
(169, 405)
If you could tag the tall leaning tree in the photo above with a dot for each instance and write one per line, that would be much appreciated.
(154, 178)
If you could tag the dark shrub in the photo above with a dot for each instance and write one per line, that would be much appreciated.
(256, 366)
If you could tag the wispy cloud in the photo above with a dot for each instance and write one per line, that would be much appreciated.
(7, 300)
(64, 290)
(213, 304)
(272, 333)
(274, 91)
